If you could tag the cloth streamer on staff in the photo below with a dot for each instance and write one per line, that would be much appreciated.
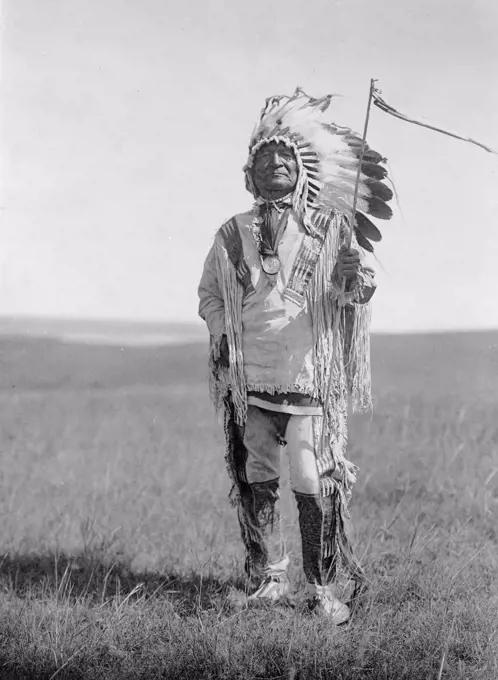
(384, 106)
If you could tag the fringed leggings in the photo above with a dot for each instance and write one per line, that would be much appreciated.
(254, 457)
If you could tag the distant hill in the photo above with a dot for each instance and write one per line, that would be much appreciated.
(103, 332)
(28, 363)
(440, 362)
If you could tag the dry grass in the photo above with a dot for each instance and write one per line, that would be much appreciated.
(119, 548)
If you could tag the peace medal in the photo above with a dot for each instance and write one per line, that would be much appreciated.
(270, 264)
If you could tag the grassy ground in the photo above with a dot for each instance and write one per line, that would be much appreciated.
(119, 550)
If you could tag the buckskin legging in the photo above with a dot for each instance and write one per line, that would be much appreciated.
(256, 459)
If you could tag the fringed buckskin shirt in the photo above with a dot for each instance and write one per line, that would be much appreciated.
(277, 342)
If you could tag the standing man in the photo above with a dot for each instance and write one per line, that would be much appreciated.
(287, 305)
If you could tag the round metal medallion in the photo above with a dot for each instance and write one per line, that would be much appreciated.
(270, 264)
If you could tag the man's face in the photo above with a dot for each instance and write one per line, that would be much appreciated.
(274, 170)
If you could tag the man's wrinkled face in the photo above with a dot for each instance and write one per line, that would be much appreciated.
(274, 170)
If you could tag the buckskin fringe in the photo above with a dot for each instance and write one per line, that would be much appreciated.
(358, 369)
(319, 298)
(352, 351)
(218, 375)
(344, 547)
(301, 386)
(232, 295)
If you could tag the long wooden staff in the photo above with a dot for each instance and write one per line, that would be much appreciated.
(340, 307)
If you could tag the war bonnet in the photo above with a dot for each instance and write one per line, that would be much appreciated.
(327, 156)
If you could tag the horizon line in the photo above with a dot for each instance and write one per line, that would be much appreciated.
(198, 326)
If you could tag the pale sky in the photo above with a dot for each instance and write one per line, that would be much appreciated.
(125, 126)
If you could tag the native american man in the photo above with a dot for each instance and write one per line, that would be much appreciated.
(286, 302)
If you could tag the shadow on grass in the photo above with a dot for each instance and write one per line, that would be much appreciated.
(97, 579)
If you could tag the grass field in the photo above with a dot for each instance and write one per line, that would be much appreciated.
(119, 548)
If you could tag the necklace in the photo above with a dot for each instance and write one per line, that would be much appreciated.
(267, 233)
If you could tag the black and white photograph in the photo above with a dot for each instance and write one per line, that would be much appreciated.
(248, 340)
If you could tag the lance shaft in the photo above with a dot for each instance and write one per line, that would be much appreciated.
(340, 305)
(362, 153)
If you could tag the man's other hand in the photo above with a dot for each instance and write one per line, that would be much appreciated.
(224, 352)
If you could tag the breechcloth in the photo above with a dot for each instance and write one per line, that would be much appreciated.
(255, 454)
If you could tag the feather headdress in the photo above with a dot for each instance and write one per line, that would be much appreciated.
(328, 156)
